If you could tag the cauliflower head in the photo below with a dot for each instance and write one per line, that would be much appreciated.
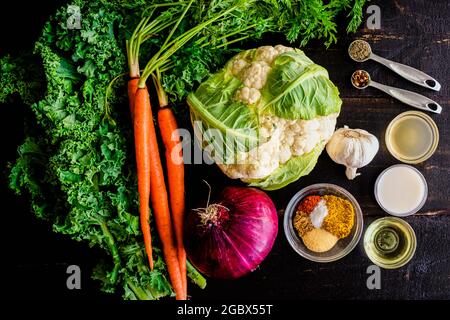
(266, 116)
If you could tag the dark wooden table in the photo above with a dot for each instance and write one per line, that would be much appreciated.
(415, 33)
(412, 32)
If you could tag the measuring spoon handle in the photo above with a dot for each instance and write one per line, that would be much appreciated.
(409, 73)
(410, 98)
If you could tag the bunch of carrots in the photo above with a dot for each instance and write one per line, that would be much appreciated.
(151, 183)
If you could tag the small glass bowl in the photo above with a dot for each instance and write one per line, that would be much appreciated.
(343, 246)
(434, 138)
(420, 205)
(407, 253)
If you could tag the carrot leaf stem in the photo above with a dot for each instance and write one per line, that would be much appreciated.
(195, 276)
(170, 47)
(160, 92)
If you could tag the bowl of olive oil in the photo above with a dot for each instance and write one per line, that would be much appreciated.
(412, 137)
(390, 242)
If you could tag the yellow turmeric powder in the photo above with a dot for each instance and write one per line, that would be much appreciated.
(340, 218)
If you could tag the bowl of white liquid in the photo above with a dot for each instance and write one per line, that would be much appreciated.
(401, 190)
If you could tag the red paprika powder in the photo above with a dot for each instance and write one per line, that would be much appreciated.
(308, 204)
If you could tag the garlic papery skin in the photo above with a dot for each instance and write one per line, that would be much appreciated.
(353, 148)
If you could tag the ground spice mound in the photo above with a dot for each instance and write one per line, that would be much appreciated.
(302, 223)
(341, 216)
(308, 204)
(319, 240)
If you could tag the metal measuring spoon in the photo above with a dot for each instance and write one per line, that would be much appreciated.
(363, 52)
(361, 80)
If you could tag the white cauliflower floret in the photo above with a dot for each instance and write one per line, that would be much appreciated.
(257, 163)
(264, 133)
(326, 128)
(255, 76)
(309, 126)
(280, 49)
(285, 153)
(238, 65)
(267, 126)
(266, 53)
(248, 95)
(290, 140)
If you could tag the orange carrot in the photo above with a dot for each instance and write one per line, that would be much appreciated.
(175, 174)
(142, 137)
(160, 202)
(132, 87)
(151, 182)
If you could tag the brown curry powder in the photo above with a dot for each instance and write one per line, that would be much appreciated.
(302, 223)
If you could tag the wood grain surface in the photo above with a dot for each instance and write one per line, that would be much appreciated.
(412, 32)
(415, 33)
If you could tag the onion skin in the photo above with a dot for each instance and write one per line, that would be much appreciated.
(231, 243)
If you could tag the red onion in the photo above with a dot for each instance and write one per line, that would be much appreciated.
(232, 237)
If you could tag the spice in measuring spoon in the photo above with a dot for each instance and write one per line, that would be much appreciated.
(360, 79)
(359, 50)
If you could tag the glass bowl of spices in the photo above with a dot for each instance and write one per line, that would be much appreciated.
(323, 222)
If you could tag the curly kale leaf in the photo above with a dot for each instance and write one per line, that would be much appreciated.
(20, 76)
(78, 173)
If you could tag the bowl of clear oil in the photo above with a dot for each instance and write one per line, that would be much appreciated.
(390, 242)
(412, 137)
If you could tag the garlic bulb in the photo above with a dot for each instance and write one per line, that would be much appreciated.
(353, 148)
